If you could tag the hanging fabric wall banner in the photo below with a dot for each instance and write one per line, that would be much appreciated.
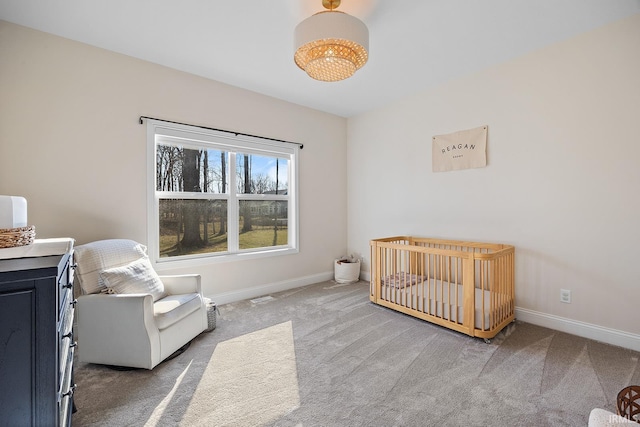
(465, 149)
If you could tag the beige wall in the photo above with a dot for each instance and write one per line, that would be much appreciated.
(70, 142)
(561, 184)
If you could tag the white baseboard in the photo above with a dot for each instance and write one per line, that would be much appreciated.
(258, 291)
(581, 329)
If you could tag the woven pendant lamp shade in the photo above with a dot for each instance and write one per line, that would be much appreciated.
(331, 45)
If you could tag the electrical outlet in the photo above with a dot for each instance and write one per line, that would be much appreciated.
(565, 296)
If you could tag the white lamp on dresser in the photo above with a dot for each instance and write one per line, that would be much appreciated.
(13, 212)
(14, 230)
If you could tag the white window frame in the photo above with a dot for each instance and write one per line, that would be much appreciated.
(158, 130)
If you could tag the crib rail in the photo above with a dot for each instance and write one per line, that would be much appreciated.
(464, 286)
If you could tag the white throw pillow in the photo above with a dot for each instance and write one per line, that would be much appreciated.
(137, 277)
(94, 257)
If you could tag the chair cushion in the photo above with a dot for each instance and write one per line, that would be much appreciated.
(91, 258)
(173, 308)
(137, 277)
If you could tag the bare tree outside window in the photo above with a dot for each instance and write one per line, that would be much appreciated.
(188, 226)
(193, 188)
(263, 221)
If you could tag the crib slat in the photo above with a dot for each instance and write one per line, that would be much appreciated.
(468, 289)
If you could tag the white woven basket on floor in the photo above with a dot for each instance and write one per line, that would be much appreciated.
(346, 272)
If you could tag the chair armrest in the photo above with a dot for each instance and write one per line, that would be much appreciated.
(186, 284)
(117, 329)
(182, 284)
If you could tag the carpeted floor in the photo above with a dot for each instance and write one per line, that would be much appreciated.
(323, 355)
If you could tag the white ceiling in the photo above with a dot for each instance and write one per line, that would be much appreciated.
(414, 44)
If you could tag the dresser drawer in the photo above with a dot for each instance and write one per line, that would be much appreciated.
(65, 284)
(66, 343)
(67, 388)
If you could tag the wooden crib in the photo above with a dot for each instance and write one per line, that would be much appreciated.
(464, 286)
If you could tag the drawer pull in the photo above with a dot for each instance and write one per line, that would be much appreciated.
(70, 392)
(69, 335)
(73, 303)
(73, 266)
(73, 344)
(68, 285)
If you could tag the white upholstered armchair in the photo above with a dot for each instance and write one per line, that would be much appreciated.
(127, 314)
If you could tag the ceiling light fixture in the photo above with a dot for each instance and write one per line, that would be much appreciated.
(331, 45)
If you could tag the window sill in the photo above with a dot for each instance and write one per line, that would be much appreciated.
(166, 264)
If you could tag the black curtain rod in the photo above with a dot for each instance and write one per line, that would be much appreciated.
(222, 130)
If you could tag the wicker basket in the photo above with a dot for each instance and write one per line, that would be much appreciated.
(629, 403)
(12, 237)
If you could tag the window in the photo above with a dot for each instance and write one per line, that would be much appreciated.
(215, 195)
